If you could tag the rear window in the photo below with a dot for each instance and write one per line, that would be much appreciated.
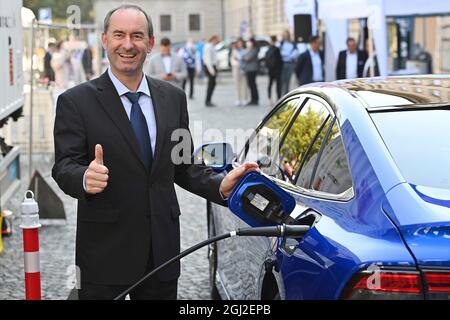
(419, 142)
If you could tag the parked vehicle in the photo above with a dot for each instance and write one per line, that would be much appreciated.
(223, 52)
(368, 163)
(12, 97)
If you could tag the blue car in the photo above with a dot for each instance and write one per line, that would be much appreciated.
(368, 163)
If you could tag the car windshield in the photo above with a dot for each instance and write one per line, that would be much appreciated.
(419, 142)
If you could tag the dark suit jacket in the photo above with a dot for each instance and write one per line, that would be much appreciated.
(342, 64)
(137, 215)
(304, 68)
(48, 70)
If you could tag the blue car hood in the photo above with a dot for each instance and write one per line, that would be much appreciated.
(422, 214)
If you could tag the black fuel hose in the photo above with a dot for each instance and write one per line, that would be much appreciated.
(292, 231)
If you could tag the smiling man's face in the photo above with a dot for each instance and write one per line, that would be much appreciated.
(127, 42)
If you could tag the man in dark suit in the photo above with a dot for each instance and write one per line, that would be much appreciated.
(350, 64)
(309, 67)
(113, 152)
(49, 73)
(274, 64)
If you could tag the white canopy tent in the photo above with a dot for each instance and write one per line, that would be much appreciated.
(335, 13)
(416, 7)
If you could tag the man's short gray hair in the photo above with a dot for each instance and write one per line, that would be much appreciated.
(129, 6)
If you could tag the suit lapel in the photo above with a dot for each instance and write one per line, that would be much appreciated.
(344, 64)
(113, 106)
(310, 64)
(158, 95)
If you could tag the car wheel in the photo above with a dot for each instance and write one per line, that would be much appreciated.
(212, 257)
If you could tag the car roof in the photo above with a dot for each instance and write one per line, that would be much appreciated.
(394, 92)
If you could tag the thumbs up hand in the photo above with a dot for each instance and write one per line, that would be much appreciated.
(97, 173)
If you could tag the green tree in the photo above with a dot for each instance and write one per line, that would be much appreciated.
(302, 133)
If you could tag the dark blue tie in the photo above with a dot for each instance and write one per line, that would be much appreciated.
(140, 128)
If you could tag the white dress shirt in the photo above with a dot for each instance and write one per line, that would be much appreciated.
(209, 56)
(317, 66)
(351, 65)
(167, 60)
(145, 102)
(288, 51)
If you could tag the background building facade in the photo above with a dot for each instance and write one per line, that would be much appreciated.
(255, 17)
(175, 19)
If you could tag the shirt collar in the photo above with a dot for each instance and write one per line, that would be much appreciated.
(122, 89)
(312, 52)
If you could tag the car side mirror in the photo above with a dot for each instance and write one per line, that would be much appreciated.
(219, 155)
(259, 201)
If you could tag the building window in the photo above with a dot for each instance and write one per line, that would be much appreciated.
(165, 22)
(194, 22)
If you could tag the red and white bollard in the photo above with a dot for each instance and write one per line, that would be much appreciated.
(30, 225)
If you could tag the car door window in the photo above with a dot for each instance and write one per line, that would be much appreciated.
(332, 174)
(305, 171)
(306, 128)
(263, 146)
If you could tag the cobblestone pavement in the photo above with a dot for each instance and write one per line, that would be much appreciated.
(57, 240)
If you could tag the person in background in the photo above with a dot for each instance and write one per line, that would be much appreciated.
(289, 54)
(61, 65)
(309, 67)
(288, 170)
(166, 65)
(86, 61)
(350, 64)
(274, 64)
(76, 61)
(199, 46)
(237, 70)
(189, 55)
(251, 67)
(210, 67)
(49, 73)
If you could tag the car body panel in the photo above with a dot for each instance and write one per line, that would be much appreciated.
(423, 215)
(350, 235)
(239, 259)
(387, 223)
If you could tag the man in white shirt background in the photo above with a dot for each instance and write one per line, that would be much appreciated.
(166, 65)
(209, 66)
(289, 53)
(350, 64)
